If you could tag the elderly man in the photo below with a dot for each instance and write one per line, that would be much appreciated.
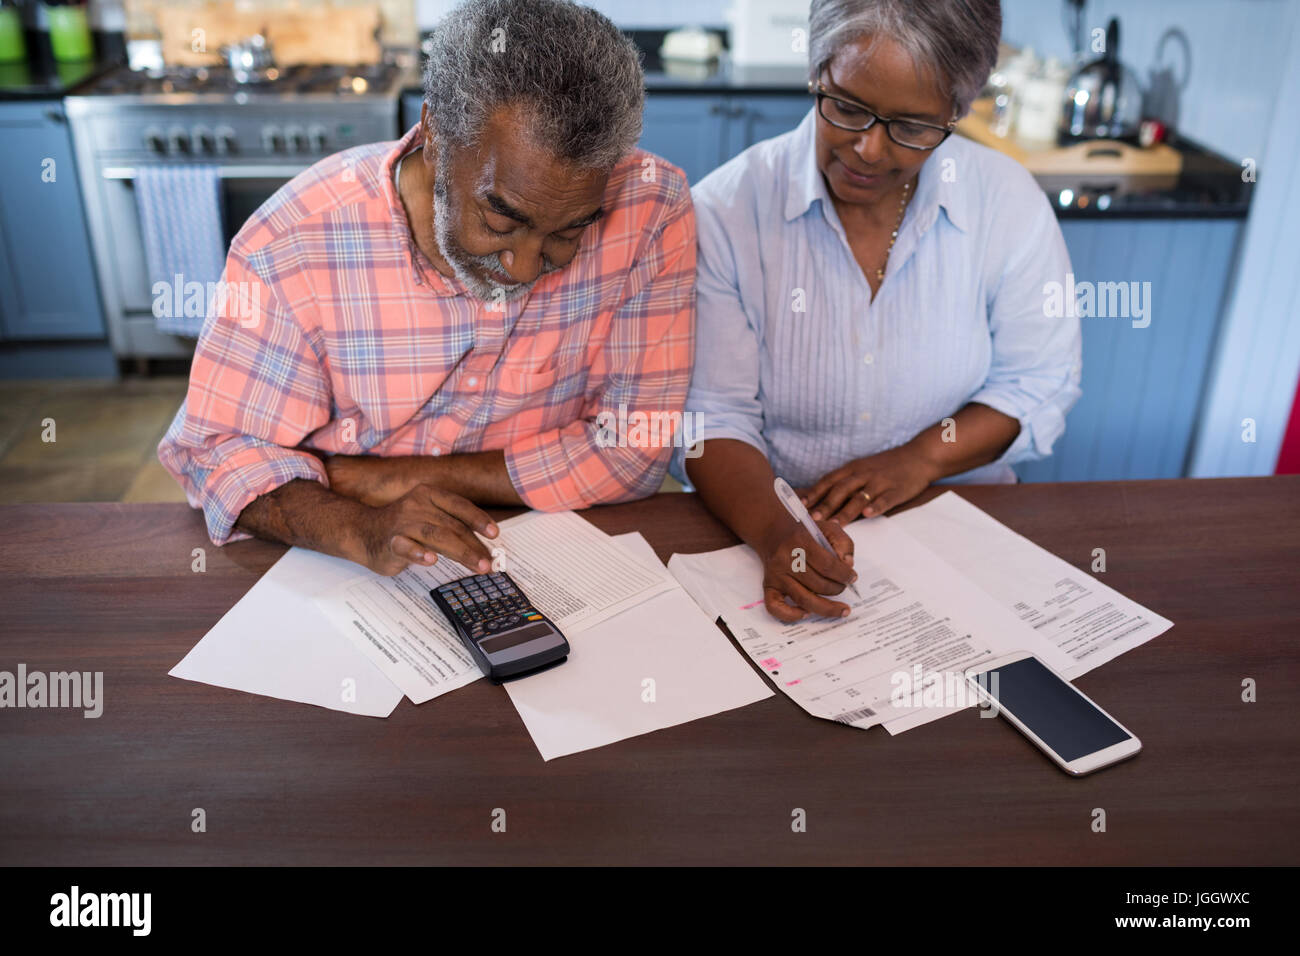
(452, 317)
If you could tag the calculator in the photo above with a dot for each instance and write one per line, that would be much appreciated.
(506, 635)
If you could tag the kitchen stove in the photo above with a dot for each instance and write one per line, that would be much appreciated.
(259, 135)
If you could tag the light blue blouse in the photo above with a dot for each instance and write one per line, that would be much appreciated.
(793, 356)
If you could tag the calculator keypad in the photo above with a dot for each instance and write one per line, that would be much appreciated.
(488, 603)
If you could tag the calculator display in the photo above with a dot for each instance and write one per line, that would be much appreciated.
(521, 636)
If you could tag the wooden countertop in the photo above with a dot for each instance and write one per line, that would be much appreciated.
(108, 587)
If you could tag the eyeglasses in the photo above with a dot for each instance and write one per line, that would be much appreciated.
(847, 115)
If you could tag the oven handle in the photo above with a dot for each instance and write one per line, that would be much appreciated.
(286, 171)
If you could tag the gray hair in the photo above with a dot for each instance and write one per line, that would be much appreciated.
(576, 74)
(957, 39)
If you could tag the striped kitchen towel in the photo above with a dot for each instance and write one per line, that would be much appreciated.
(185, 246)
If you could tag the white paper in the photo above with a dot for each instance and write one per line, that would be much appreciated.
(275, 642)
(657, 665)
(916, 629)
(571, 570)
(1087, 620)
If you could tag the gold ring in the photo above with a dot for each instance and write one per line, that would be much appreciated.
(864, 493)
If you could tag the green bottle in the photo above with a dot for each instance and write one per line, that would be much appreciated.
(69, 31)
(12, 47)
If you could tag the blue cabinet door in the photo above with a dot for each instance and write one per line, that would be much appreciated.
(754, 118)
(687, 130)
(1142, 387)
(409, 111)
(47, 277)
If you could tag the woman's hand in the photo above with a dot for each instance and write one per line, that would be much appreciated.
(888, 479)
(803, 576)
(371, 479)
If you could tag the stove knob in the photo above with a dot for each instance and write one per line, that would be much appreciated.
(295, 140)
(201, 141)
(225, 141)
(154, 141)
(272, 139)
(178, 140)
(317, 136)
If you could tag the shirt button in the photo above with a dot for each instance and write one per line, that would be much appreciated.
(436, 451)
(473, 382)
(868, 359)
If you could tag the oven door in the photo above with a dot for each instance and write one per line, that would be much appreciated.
(243, 190)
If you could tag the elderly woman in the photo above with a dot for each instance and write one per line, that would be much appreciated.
(870, 297)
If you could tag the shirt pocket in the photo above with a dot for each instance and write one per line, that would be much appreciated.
(518, 386)
(552, 395)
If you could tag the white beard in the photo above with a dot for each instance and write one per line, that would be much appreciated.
(461, 261)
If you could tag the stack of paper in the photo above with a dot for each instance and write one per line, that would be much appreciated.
(944, 588)
(325, 631)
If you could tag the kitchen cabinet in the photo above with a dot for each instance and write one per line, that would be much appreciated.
(686, 130)
(409, 110)
(1142, 387)
(754, 118)
(47, 276)
(700, 132)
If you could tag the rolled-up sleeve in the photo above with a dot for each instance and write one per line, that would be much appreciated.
(723, 401)
(646, 363)
(1035, 368)
(256, 389)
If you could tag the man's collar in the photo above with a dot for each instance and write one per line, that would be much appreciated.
(937, 185)
(422, 269)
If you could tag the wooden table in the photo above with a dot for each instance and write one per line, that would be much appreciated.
(109, 587)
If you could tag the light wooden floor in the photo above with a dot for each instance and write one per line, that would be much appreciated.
(106, 440)
(106, 436)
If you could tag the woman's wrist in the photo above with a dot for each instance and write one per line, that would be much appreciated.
(927, 458)
(776, 527)
(734, 480)
(975, 436)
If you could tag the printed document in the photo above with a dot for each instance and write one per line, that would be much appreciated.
(945, 587)
(1089, 621)
(913, 629)
(661, 664)
(570, 569)
(277, 643)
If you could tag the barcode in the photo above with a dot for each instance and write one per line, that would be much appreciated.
(853, 715)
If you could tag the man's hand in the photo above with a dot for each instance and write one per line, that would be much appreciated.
(889, 479)
(420, 525)
(822, 572)
(371, 479)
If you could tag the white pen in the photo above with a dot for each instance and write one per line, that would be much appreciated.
(800, 514)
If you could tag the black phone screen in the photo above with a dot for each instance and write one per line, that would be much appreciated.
(1051, 708)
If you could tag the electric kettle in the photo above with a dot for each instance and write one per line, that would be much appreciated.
(1103, 99)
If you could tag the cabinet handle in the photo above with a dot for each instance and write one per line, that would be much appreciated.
(55, 116)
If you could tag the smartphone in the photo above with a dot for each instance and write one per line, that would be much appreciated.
(1062, 721)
